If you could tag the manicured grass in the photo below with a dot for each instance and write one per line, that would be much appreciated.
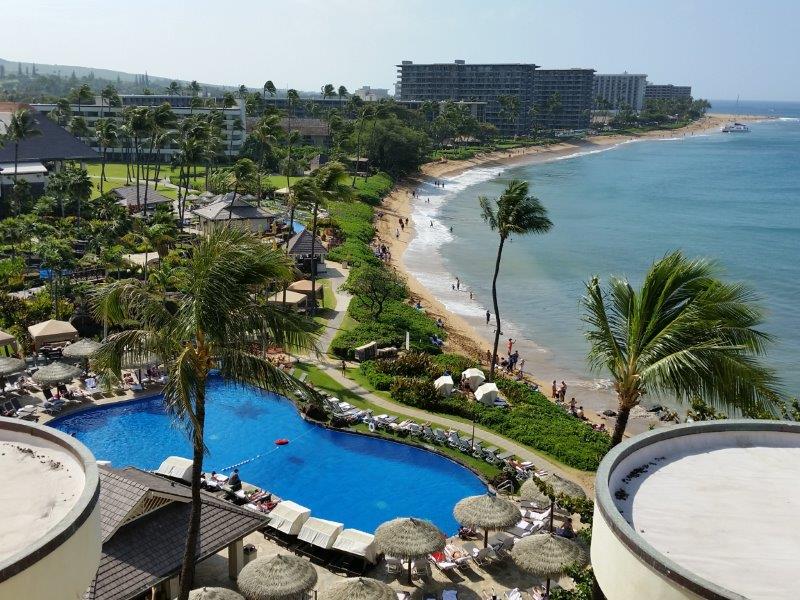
(325, 382)
(119, 171)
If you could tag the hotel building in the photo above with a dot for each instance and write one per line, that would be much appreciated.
(667, 92)
(619, 89)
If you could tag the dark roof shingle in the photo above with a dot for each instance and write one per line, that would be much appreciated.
(55, 142)
(300, 244)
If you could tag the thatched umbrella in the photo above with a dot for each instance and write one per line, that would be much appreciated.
(360, 588)
(10, 365)
(55, 373)
(487, 511)
(214, 593)
(409, 538)
(82, 349)
(563, 486)
(282, 577)
(547, 555)
(531, 492)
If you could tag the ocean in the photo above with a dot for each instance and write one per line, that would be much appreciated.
(732, 198)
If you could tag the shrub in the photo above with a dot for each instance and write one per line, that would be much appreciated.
(455, 363)
(346, 341)
(410, 364)
(378, 379)
(374, 188)
(414, 392)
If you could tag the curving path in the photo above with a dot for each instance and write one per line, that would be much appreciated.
(332, 369)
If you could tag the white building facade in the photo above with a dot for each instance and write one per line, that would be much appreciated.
(619, 89)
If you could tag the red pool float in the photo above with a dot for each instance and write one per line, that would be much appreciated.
(281, 442)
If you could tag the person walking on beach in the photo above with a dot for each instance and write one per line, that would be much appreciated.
(406, 221)
(510, 345)
(563, 390)
(397, 233)
(521, 366)
(470, 295)
(458, 284)
(431, 223)
(489, 317)
(555, 389)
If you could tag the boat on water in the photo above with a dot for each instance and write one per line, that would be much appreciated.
(736, 128)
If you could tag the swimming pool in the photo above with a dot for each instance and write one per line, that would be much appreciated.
(357, 480)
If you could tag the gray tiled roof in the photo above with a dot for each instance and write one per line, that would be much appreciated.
(127, 195)
(300, 244)
(149, 549)
(55, 142)
(225, 207)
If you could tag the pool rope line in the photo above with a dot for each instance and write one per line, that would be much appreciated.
(263, 454)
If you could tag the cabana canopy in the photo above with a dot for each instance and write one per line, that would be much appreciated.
(357, 543)
(292, 298)
(444, 385)
(176, 467)
(288, 517)
(48, 332)
(304, 287)
(474, 377)
(486, 393)
(8, 344)
(319, 532)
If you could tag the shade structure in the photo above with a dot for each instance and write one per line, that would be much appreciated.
(51, 331)
(137, 360)
(282, 577)
(8, 344)
(357, 543)
(82, 349)
(295, 299)
(444, 385)
(562, 486)
(359, 588)
(487, 511)
(409, 538)
(176, 467)
(487, 393)
(304, 287)
(214, 593)
(547, 555)
(9, 365)
(474, 377)
(288, 517)
(530, 492)
(320, 532)
(55, 373)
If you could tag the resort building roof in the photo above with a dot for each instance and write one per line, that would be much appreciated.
(127, 196)
(144, 523)
(225, 207)
(300, 244)
(54, 143)
(704, 510)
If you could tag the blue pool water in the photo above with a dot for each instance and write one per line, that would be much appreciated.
(356, 480)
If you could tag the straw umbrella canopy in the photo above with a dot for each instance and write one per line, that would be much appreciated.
(10, 365)
(214, 593)
(55, 373)
(82, 349)
(409, 538)
(547, 555)
(282, 577)
(531, 492)
(360, 588)
(486, 511)
(563, 486)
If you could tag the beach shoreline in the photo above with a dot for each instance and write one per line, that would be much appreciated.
(470, 335)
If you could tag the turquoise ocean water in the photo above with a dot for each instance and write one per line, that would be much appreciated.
(733, 198)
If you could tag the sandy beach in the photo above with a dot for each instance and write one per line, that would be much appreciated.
(471, 336)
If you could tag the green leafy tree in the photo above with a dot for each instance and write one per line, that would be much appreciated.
(81, 95)
(509, 110)
(374, 286)
(327, 91)
(20, 127)
(342, 92)
(107, 134)
(71, 185)
(269, 89)
(685, 332)
(513, 213)
(213, 324)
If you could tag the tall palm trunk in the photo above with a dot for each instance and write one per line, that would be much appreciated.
(16, 168)
(358, 150)
(102, 168)
(313, 261)
(288, 239)
(147, 170)
(136, 159)
(496, 307)
(192, 536)
(621, 424)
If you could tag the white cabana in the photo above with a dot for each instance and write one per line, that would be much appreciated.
(293, 299)
(288, 517)
(176, 467)
(357, 543)
(474, 377)
(319, 532)
(487, 394)
(444, 385)
(52, 331)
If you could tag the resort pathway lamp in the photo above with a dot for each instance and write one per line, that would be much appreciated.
(488, 512)
(214, 593)
(547, 555)
(409, 538)
(10, 365)
(560, 486)
(282, 577)
(56, 373)
(82, 350)
(359, 588)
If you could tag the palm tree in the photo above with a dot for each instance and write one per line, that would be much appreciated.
(109, 95)
(190, 151)
(62, 112)
(365, 112)
(162, 119)
(269, 89)
(81, 95)
(173, 89)
(242, 177)
(214, 325)
(514, 213)
(78, 127)
(157, 236)
(266, 134)
(292, 137)
(21, 126)
(194, 87)
(105, 131)
(685, 332)
(327, 91)
(342, 92)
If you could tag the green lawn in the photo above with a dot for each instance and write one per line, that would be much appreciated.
(325, 382)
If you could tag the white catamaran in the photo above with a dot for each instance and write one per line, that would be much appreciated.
(736, 127)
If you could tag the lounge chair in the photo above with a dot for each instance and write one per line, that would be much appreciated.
(477, 450)
(415, 429)
(403, 596)
(394, 566)
(483, 556)
(514, 594)
(439, 436)
(453, 440)
(457, 555)
(420, 569)
(490, 454)
(427, 433)
(450, 595)
(441, 562)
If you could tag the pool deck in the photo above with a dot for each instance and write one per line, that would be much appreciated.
(474, 583)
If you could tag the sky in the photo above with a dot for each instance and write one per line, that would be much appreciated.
(723, 48)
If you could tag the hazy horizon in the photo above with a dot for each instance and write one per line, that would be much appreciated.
(742, 48)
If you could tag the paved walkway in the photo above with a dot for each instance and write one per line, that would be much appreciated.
(333, 369)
